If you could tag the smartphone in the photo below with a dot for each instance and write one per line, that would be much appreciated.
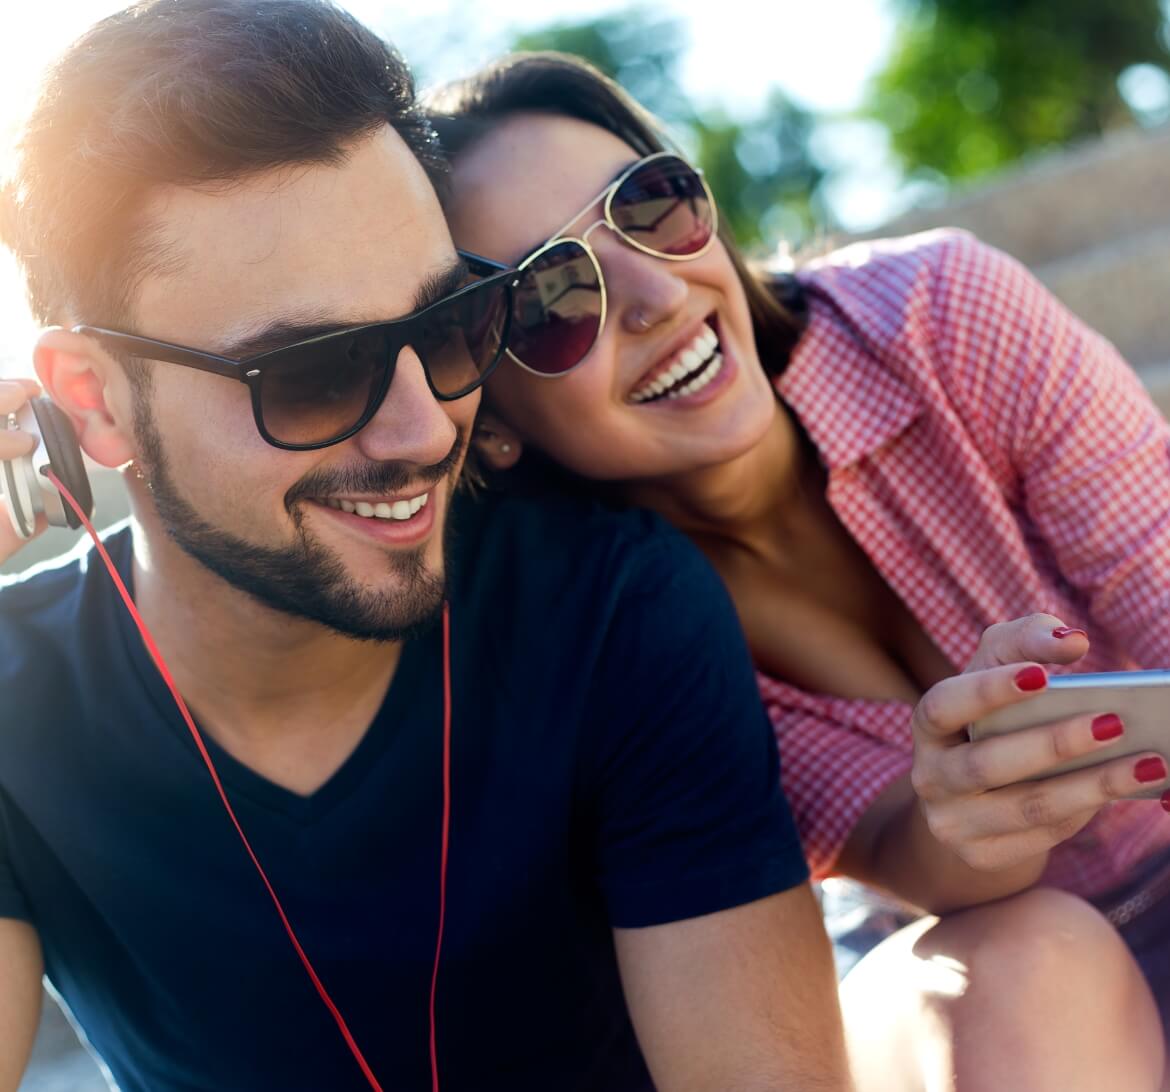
(1140, 698)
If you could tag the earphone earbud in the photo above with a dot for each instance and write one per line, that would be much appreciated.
(23, 482)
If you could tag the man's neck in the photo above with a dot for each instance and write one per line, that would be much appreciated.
(269, 687)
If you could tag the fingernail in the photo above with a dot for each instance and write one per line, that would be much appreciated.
(1107, 726)
(1150, 769)
(1031, 678)
(1166, 801)
(1065, 631)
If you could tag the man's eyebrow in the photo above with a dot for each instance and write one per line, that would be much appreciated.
(288, 330)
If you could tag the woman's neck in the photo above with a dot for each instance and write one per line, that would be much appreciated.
(742, 500)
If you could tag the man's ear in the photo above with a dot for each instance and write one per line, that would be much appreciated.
(496, 443)
(83, 380)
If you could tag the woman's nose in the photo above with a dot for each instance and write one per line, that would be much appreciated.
(643, 291)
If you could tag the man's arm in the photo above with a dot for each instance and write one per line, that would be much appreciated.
(742, 999)
(21, 967)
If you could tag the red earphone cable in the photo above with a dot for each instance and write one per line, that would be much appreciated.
(156, 656)
(446, 836)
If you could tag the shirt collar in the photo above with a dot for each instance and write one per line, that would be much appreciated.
(847, 397)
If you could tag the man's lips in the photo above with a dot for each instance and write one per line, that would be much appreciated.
(369, 517)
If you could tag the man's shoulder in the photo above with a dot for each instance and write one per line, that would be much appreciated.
(45, 610)
(557, 537)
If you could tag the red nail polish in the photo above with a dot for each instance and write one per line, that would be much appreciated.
(1031, 678)
(1166, 801)
(1150, 769)
(1107, 726)
(1065, 631)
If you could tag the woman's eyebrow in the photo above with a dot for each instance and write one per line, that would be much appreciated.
(536, 246)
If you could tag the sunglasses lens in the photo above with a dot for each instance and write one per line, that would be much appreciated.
(556, 309)
(314, 393)
(460, 339)
(663, 206)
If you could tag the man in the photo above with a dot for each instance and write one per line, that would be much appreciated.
(232, 178)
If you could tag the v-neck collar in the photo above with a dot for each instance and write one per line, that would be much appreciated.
(415, 678)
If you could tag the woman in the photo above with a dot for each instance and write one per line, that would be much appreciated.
(882, 456)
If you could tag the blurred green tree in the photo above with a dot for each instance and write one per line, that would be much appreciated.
(972, 85)
(760, 167)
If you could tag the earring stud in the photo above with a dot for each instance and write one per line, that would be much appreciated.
(505, 448)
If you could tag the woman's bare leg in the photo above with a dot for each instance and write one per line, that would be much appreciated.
(1037, 992)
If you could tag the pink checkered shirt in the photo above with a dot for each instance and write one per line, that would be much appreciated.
(993, 457)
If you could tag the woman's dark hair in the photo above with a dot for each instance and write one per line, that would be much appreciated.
(557, 83)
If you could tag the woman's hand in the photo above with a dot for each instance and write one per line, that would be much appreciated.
(978, 799)
(14, 443)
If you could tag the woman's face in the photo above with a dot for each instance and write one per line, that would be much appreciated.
(512, 190)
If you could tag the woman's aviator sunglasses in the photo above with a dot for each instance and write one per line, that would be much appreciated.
(324, 389)
(661, 205)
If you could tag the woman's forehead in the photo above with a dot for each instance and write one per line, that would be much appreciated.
(522, 181)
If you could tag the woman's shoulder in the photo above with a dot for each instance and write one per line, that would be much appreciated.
(921, 287)
(927, 269)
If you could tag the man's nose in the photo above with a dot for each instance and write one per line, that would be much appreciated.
(411, 425)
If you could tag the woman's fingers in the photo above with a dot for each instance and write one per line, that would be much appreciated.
(1015, 824)
(942, 715)
(1038, 637)
(1056, 805)
(998, 761)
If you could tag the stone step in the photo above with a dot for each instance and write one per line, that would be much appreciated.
(1121, 288)
(1157, 381)
(1058, 204)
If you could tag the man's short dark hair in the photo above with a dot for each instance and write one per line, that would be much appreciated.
(190, 93)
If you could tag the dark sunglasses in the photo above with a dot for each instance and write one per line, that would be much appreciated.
(322, 390)
(661, 206)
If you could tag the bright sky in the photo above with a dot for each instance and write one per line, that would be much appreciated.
(820, 52)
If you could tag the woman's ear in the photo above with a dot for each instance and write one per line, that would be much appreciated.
(77, 375)
(496, 443)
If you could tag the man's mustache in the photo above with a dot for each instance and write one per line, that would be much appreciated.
(376, 478)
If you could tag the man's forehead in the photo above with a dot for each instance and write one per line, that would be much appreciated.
(353, 237)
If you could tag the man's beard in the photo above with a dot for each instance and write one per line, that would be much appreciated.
(305, 579)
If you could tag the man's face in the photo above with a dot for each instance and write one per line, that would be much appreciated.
(318, 245)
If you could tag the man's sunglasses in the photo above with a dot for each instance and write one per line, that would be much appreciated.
(322, 390)
(661, 206)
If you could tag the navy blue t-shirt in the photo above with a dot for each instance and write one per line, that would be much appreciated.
(611, 766)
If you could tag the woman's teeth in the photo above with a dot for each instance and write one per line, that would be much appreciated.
(695, 367)
(402, 509)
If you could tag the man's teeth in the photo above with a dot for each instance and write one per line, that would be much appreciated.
(402, 509)
(694, 368)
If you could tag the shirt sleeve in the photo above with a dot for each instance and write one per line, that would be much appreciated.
(690, 817)
(1080, 447)
(13, 903)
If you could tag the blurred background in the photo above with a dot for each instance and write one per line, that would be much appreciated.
(1043, 125)
(810, 119)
